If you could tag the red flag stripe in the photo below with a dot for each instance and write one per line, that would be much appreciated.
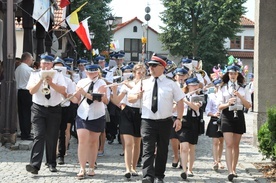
(83, 34)
(64, 3)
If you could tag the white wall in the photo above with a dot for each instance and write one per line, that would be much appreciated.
(19, 42)
(245, 32)
(154, 45)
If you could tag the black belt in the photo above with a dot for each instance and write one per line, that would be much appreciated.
(48, 106)
(165, 119)
(23, 90)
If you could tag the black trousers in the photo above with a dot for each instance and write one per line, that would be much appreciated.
(155, 133)
(46, 123)
(63, 125)
(24, 103)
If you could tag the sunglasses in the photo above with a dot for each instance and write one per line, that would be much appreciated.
(153, 65)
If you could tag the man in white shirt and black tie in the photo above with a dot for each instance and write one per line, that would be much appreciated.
(46, 112)
(158, 95)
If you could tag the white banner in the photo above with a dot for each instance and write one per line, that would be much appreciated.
(41, 12)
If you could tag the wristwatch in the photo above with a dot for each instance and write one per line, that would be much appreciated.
(180, 119)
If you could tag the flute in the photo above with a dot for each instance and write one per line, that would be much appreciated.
(73, 95)
(113, 84)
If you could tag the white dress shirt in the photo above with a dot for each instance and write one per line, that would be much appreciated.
(168, 92)
(96, 109)
(22, 75)
(38, 97)
(125, 89)
(212, 104)
(71, 88)
(226, 92)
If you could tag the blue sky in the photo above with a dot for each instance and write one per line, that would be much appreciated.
(128, 9)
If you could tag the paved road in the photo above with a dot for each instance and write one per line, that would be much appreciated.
(111, 166)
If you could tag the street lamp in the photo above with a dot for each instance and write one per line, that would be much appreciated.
(92, 36)
(109, 22)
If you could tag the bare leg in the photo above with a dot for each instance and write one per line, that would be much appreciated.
(128, 144)
(67, 135)
(175, 148)
(184, 152)
(93, 150)
(228, 137)
(102, 142)
(83, 147)
(236, 150)
(136, 152)
(192, 157)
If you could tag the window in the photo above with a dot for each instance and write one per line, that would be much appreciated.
(135, 29)
(236, 43)
(248, 42)
(133, 45)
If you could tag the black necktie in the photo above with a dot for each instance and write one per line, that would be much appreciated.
(48, 96)
(154, 97)
(90, 90)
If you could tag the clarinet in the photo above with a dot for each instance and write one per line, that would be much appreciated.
(235, 110)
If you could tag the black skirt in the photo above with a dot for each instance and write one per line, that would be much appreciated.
(189, 130)
(130, 122)
(212, 129)
(230, 124)
(96, 125)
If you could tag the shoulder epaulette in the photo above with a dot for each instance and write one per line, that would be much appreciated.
(170, 78)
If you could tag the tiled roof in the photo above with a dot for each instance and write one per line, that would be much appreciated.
(242, 54)
(120, 26)
(246, 22)
(58, 17)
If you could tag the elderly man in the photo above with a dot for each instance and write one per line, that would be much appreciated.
(47, 87)
(158, 93)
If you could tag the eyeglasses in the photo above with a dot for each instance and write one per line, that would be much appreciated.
(153, 65)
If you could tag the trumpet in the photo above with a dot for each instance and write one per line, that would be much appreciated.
(45, 90)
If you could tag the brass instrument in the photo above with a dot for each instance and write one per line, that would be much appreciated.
(44, 73)
(45, 90)
(170, 67)
(202, 72)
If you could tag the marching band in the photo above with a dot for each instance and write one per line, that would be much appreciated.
(147, 105)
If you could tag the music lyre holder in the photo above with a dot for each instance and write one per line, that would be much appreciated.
(235, 107)
(197, 98)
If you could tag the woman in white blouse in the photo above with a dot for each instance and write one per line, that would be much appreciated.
(90, 119)
(233, 97)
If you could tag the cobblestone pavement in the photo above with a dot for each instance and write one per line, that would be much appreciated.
(111, 165)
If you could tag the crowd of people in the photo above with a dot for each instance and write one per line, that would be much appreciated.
(145, 105)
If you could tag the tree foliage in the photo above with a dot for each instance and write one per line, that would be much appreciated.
(198, 28)
(98, 12)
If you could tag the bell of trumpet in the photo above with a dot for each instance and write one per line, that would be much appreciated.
(45, 90)
(171, 66)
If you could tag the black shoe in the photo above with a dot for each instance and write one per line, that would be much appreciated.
(111, 140)
(60, 160)
(27, 138)
(147, 180)
(231, 177)
(183, 175)
(127, 175)
(47, 164)
(52, 168)
(159, 180)
(174, 165)
(31, 169)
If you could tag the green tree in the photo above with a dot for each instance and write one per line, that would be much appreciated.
(98, 12)
(198, 28)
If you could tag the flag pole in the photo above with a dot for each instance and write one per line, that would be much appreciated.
(62, 35)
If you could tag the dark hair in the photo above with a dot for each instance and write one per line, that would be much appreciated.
(240, 79)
